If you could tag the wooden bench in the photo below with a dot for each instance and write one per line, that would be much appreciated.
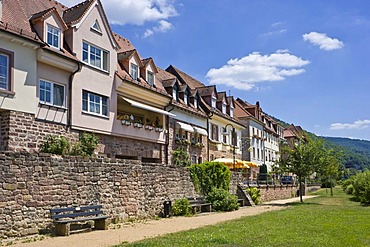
(198, 205)
(64, 216)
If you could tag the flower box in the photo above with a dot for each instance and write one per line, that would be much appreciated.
(138, 125)
(159, 129)
(126, 122)
(148, 127)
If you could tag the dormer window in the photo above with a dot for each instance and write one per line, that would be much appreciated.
(174, 93)
(53, 37)
(150, 78)
(223, 107)
(186, 97)
(133, 71)
(231, 111)
(214, 100)
(196, 103)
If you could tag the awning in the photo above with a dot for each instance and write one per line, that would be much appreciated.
(200, 131)
(147, 107)
(186, 127)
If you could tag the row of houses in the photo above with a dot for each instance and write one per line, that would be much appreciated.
(63, 71)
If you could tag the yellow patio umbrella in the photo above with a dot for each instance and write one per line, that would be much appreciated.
(249, 163)
(230, 163)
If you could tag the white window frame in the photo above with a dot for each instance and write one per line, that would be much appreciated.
(186, 98)
(52, 90)
(134, 71)
(231, 111)
(213, 101)
(224, 107)
(50, 30)
(174, 93)
(100, 102)
(150, 75)
(195, 102)
(104, 56)
(97, 28)
(6, 76)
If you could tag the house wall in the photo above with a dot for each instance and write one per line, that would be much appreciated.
(92, 79)
(58, 76)
(24, 75)
(192, 150)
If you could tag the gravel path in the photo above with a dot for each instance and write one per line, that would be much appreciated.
(152, 228)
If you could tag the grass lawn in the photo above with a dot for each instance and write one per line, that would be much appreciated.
(321, 221)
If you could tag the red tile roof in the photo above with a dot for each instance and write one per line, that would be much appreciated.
(185, 78)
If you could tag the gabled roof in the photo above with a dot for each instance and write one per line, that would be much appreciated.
(184, 78)
(147, 61)
(123, 43)
(230, 101)
(239, 111)
(294, 132)
(46, 13)
(75, 13)
(221, 96)
(207, 90)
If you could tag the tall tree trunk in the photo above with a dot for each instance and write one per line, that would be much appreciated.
(300, 188)
(331, 187)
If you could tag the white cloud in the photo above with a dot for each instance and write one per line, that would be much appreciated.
(323, 41)
(246, 72)
(359, 124)
(162, 27)
(135, 12)
(277, 32)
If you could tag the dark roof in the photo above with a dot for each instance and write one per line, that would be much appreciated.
(75, 13)
(184, 78)
(207, 90)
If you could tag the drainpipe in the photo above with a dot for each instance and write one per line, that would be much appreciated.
(168, 132)
(209, 117)
(70, 79)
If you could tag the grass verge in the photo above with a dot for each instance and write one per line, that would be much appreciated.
(320, 221)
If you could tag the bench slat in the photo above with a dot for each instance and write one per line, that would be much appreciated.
(76, 214)
(82, 208)
(83, 219)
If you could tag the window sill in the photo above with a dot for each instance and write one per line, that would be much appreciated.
(96, 68)
(6, 93)
(41, 104)
(95, 115)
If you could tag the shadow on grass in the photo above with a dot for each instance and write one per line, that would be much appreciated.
(291, 204)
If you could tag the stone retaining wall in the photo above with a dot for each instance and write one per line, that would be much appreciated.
(278, 192)
(31, 184)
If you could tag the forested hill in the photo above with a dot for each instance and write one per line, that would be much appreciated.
(357, 152)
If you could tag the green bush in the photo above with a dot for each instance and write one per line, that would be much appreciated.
(181, 157)
(350, 189)
(55, 145)
(60, 145)
(181, 207)
(361, 185)
(209, 175)
(222, 200)
(255, 195)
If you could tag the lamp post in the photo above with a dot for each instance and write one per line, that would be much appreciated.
(233, 142)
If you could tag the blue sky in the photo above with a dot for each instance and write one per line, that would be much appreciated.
(306, 62)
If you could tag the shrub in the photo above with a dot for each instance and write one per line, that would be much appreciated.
(55, 145)
(209, 175)
(222, 200)
(361, 187)
(255, 195)
(181, 157)
(181, 207)
(86, 146)
(350, 189)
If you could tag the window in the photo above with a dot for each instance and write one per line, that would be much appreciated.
(133, 71)
(214, 130)
(193, 159)
(95, 56)
(174, 93)
(4, 71)
(51, 93)
(231, 111)
(96, 27)
(53, 37)
(214, 99)
(223, 107)
(94, 103)
(150, 78)
(196, 103)
(186, 98)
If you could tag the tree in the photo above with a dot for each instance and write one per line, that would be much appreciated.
(301, 158)
(329, 167)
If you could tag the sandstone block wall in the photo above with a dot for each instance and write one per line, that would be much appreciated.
(31, 184)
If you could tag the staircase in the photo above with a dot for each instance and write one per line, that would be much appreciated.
(243, 194)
